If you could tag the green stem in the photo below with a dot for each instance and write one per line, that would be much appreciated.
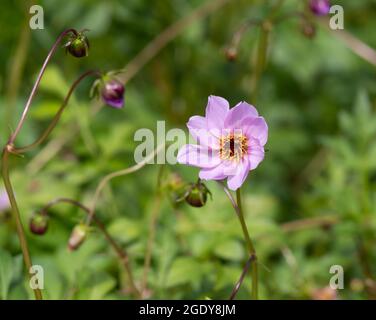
(57, 116)
(122, 253)
(16, 216)
(36, 84)
(251, 248)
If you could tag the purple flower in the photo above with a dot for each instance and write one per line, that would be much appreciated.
(320, 7)
(113, 93)
(4, 201)
(230, 142)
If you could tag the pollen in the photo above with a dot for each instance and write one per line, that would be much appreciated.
(233, 146)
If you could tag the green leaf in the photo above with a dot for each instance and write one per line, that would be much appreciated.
(184, 270)
(6, 273)
(230, 250)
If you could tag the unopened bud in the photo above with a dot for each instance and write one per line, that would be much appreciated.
(231, 54)
(113, 93)
(308, 29)
(110, 89)
(320, 7)
(78, 236)
(39, 223)
(197, 195)
(78, 45)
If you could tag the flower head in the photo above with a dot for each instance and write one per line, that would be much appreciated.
(230, 142)
(320, 7)
(4, 201)
(110, 89)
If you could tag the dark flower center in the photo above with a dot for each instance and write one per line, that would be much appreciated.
(233, 146)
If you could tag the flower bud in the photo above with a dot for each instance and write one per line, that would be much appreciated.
(78, 236)
(231, 54)
(308, 29)
(39, 223)
(110, 89)
(78, 45)
(197, 194)
(113, 93)
(319, 7)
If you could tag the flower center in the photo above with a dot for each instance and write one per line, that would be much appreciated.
(233, 146)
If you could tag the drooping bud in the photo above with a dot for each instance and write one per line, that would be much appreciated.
(320, 7)
(308, 29)
(231, 54)
(78, 236)
(197, 194)
(113, 93)
(110, 89)
(78, 45)
(39, 223)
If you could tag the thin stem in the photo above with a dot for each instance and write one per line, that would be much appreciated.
(239, 34)
(251, 247)
(242, 276)
(17, 218)
(57, 116)
(130, 71)
(36, 84)
(116, 174)
(238, 207)
(122, 253)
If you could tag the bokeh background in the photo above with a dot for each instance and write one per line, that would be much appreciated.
(310, 205)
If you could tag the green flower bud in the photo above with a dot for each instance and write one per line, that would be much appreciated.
(78, 236)
(38, 223)
(197, 194)
(78, 45)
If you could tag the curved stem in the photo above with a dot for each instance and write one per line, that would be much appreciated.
(17, 218)
(240, 32)
(57, 116)
(238, 207)
(116, 174)
(242, 276)
(122, 253)
(36, 84)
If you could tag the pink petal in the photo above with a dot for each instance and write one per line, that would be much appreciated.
(198, 156)
(256, 128)
(216, 173)
(216, 111)
(198, 129)
(234, 182)
(223, 170)
(256, 154)
(236, 115)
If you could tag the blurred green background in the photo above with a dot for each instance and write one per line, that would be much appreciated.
(311, 204)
